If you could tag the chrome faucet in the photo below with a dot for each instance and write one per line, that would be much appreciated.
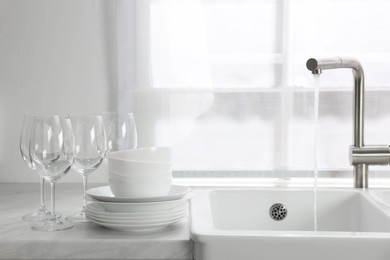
(360, 155)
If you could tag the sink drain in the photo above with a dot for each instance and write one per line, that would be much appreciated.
(278, 211)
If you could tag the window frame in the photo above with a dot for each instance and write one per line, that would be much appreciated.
(142, 76)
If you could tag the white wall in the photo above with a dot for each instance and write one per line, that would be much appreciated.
(53, 59)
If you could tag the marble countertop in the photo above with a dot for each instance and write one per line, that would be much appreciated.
(84, 240)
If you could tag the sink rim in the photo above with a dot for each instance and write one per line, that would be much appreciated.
(202, 226)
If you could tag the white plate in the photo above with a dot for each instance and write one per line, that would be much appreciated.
(134, 222)
(101, 211)
(104, 194)
(143, 207)
(135, 228)
(133, 217)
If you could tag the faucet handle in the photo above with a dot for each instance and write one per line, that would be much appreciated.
(370, 155)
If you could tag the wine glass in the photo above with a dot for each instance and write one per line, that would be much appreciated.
(52, 153)
(42, 213)
(121, 131)
(90, 140)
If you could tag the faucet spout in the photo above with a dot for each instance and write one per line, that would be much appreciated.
(322, 64)
(316, 66)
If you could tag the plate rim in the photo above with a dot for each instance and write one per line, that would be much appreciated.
(136, 226)
(134, 214)
(113, 199)
(186, 197)
(141, 216)
(130, 222)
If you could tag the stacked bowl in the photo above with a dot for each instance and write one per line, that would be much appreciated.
(143, 172)
(140, 196)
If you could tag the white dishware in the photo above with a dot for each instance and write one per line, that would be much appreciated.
(135, 228)
(104, 193)
(149, 174)
(146, 161)
(141, 187)
(172, 213)
(143, 206)
(154, 219)
(145, 154)
(132, 221)
(96, 209)
(157, 175)
(139, 179)
(137, 221)
(128, 168)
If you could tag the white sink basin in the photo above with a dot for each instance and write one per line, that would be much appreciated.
(382, 196)
(236, 224)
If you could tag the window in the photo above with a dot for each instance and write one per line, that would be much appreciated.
(224, 81)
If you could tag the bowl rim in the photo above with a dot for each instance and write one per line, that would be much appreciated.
(136, 179)
(111, 155)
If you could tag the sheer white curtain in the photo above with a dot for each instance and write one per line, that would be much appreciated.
(224, 81)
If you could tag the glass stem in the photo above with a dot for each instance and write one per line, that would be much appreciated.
(85, 182)
(53, 204)
(42, 192)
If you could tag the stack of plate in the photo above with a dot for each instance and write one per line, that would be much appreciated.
(137, 214)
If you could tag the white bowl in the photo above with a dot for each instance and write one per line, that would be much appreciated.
(147, 154)
(141, 187)
(146, 175)
(143, 160)
(141, 180)
(128, 168)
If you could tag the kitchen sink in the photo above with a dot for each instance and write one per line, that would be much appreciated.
(289, 224)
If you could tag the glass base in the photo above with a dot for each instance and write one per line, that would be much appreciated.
(42, 214)
(52, 225)
(77, 217)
